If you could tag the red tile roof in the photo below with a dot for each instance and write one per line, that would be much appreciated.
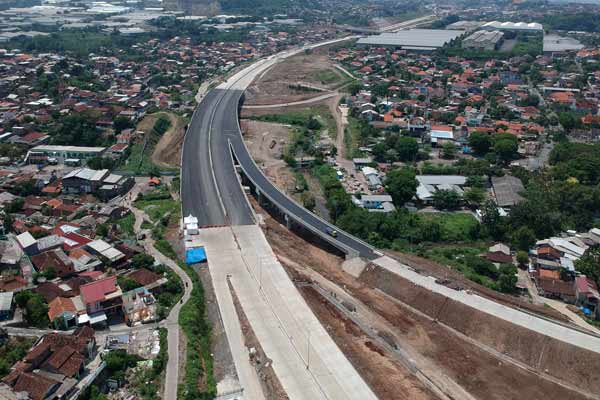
(36, 385)
(59, 306)
(97, 290)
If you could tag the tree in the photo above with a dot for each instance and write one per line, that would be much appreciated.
(492, 221)
(568, 120)
(102, 230)
(313, 124)
(522, 258)
(14, 206)
(35, 309)
(446, 200)
(589, 264)
(506, 149)
(481, 266)
(474, 196)
(480, 142)
(523, 238)
(308, 201)
(448, 151)
(507, 283)
(401, 184)
(142, 260)
(126, 284)
(121, 123)
(407, 148)
(100, 163)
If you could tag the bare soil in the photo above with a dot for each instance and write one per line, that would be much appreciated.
(479, 372)
(266, 141)
(273, 87)
(387, 378)
(167, 152)
(539, 352)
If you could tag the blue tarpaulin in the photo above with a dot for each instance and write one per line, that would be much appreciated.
(195, 255)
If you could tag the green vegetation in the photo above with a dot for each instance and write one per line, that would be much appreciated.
(35, 309)
(12, 350)
(302, 118)
(126, 223)
(326, 76)
(147, 381)
(571, 22)
(466, 260)
(401, 184)
(159, 209)
(161, 125)
(139, 159)
(352, 135)
(117, 362)
(199, 382)
(454, 227)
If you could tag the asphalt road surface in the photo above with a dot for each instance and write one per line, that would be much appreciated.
(218, 199)
(210, 187)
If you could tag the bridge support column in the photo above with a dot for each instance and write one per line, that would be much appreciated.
(259, 197)
(288, 221)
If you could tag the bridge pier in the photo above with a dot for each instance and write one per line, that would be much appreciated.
(288, 221)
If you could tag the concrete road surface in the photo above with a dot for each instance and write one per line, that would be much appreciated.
(307, 362)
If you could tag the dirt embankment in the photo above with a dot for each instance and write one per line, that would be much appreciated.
(479, 372)
(388, 379)
(566, 362)
(167, 152)
(440, 271)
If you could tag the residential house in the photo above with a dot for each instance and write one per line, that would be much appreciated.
(429, 184)
(62, 313)
(100, 298)
(139, 306)
(378, 202)
(83, 180)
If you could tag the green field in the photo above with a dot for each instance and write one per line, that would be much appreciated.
(326, 76)
(456, 227)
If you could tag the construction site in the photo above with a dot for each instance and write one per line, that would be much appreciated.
(405, 341)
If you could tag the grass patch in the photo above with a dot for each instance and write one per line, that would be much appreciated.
(126, 224)
(162, 210)
(158, 209)
(302, 118)
(351, 137)
(455, 227)
(326, 76)
(139, 160)
(199, 381)
(454, 256)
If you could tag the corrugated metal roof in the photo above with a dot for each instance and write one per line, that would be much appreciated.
(418, 39)
(26, 240)
(6, 299)
(523, 26)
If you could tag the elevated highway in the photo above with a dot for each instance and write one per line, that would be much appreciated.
(212, 191)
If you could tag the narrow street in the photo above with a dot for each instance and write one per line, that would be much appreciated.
(172, 321)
